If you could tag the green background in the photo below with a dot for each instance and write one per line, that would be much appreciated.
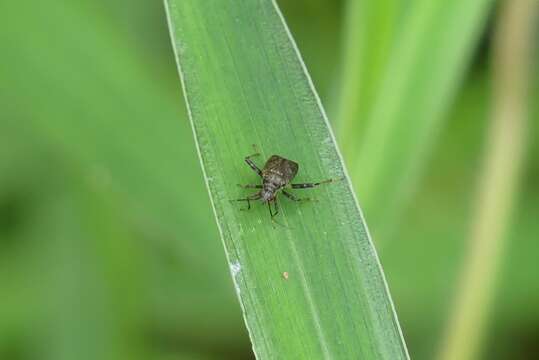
(108, 246)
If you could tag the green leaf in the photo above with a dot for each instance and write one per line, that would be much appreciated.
(403, 65)
(365, 59)
(244, 84)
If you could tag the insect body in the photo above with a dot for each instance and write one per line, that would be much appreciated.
(276, 176)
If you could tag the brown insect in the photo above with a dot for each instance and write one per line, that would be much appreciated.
(276, 176)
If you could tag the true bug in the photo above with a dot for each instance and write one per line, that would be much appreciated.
(276, 176)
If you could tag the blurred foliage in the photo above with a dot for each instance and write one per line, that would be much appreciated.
(395, 88)
(108, 247)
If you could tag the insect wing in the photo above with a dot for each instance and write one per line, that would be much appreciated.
(287, 168)
(274, 162)
(290, 168)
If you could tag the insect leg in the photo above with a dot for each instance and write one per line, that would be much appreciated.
(295, 198)
(269, 207)
(252, 165)
(250, 186)
(311, 185)
(248, 199)
(275, 213)
(248, 202)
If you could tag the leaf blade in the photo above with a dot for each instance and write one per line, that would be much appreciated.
(245, 83)
(391, 118)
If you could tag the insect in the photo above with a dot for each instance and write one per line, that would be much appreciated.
(276, 176)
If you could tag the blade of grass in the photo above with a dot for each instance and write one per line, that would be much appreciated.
(369, 33)
(402, 104)
(499, 181)
(245, 83)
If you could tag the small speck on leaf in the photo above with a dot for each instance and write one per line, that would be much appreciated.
(236, 268)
